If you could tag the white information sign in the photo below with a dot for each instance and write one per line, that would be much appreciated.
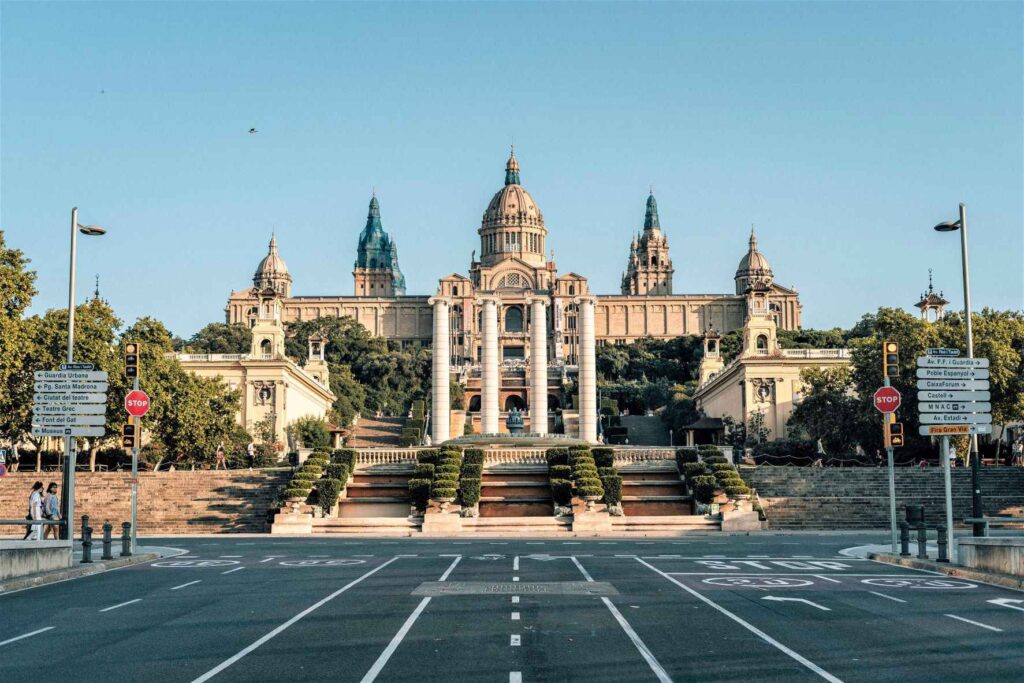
(954, 407)
(943, 352)
(68, 397)
(69, 409)
(69, 420)
(952, 373)
(953, 430)
(70, 386)
(70, 376)
(954, 396)
(954, 384)
(955, 418)
(68, 431)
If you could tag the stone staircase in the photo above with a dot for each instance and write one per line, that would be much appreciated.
(857, 497)
(654, 491)
(375, 503)
(516, 491)
(376, 432)
(646, 430)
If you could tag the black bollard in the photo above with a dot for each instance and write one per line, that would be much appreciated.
(126, 539)
(922, 542)
(107, 529)
(86, 540)
(943, 544)
(904, 539)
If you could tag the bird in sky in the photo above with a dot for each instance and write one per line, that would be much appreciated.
(253, 131)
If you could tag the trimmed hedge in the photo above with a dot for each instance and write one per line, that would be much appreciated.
(685, 455)
(423, 471)
(292, 492)
(561, 491)
(703, 488)
(712, 459)
(557, 456)
(473, 456)
(737, 490)
(345, 456)
(428, 455)
(560, 472)
(443, 489)
(708, 448)
(695, 469)
(471, 470)
(452, 448)
(604, 457)
(612, 485)
(419, 492)
(469, 491)
(307, 476)
(720, 466)
(446, 469)
(337, 471)
(327, 492)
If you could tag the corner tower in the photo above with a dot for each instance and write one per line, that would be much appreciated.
(376, 271)
(649, 269)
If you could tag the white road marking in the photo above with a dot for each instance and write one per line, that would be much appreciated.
(268, 559)
(231, 556)
(515, 640)
(535, 542)
(976, 623)
(499, 542)
(515, 616)
(382, 660)
(515, 677)
(648, 656)
(242, 653)
(515, 564)
(515, 578)
(775, 598)
(27, 635)
(750, 627)
(190, 583)
(233, 570)
(625, 556)
(824, 578)
(515, 599)
(107, 609)
(887, 597)
(1005, 602)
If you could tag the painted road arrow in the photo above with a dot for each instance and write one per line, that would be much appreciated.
(1005, 602)
(954, 384)
(954, 407)
(936, 362)
(942, 395)
(960, 418)
(68, 397)
(952, 373)
(71, 386)
(812, 604)
(70, 376)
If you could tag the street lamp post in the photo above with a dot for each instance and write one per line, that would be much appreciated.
(977, 509)
(70, 455)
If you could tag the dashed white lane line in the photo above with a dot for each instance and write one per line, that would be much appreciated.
(515, 640)
(515, 564)
(515, 616)
(382, 660)
(887, 597)
(825, 578)
(515, 578)
(107, 609)
(515, 599)
(535, 542)
(26, 635)
(648, 656)
(236, 569)
(267, 560)
(231, 556)
(750, 627)
(185, 585)
(976, 623)
(515, 677)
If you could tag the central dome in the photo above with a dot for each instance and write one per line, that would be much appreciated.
(512, 206)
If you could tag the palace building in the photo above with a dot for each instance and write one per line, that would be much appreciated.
(513, 329)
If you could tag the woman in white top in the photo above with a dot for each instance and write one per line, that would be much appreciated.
(35, 512)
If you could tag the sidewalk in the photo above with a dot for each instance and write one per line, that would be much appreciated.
(77, 570)
(948, 568)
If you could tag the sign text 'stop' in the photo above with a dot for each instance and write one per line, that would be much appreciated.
(887, 399)
(136, 403)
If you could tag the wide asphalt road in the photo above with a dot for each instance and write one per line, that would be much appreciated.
(710, 608)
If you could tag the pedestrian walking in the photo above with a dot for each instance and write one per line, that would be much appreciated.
(35, 512)
(221, 461)
(1018, 452)
(251, 451)
(51, 511)
(952, 455)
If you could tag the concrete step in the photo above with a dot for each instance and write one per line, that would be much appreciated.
(363, 491)
(675, 506)
(518, 525)
(368, 526)
(664, 524)
(516, 508)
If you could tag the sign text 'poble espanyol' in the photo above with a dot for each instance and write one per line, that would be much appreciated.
(952, 373)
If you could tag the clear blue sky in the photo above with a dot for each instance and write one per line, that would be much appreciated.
(844, 131)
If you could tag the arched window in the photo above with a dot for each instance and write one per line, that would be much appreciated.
(712, 346)
(762, 342)
(266, 348)
(455, 290)
(572, 290)
(514, 319)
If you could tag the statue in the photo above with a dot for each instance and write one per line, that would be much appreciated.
(514, 422)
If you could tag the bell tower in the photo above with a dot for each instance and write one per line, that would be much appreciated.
(649, 270)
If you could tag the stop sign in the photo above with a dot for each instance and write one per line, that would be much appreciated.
(136, 403)
(887, 399)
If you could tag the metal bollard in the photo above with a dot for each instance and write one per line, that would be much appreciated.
(86, 540)
(904, 539)
(126, 539)
(107, 528)
(922, 542)
(943, 544)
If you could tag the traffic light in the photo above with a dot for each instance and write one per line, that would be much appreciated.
(890, 359)
(128, 436)
(896, 434)
(131, 360)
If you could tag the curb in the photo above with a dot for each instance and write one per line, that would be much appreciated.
(1002, 580)
(74, 572)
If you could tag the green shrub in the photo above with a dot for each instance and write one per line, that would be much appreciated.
(708, 448)
(337, 471)
(419, 492)
(318, 460)
(604, 457)
(473, 456)
(606, 471)
(712, 459)
(441, 489)
(327, 492)
(452, 448)
(557, 456)
(292, 492)
(307, 476)
(312, 467)
(612, 485)
(719, 466)
(579, 449)
(727, 474)
(591, 489)
(561, 491)
(685, 455)
(560, 472)
(695, 469)
(423, 471)
(703, 489)
(470, 470)
(345, 456)
(427, 456)
(414, 423)
(469, 491)
(446, 469)
(741, 490)
(407, 441)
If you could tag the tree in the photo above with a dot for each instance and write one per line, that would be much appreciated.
(17, 287)
(831, 411)
(311, 432)
(220, 338)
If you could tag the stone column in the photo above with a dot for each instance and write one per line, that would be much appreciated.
(490, 372)
(538, 364)
(440, 372)
(588, 370)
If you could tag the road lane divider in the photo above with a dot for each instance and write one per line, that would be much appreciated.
(887, 597)
(747, 625)
(123, 604)
(236, 569)
(23, 636)
(382, 660)
(186, 585)
(652, 661)
(976, 623)
(280, 629)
